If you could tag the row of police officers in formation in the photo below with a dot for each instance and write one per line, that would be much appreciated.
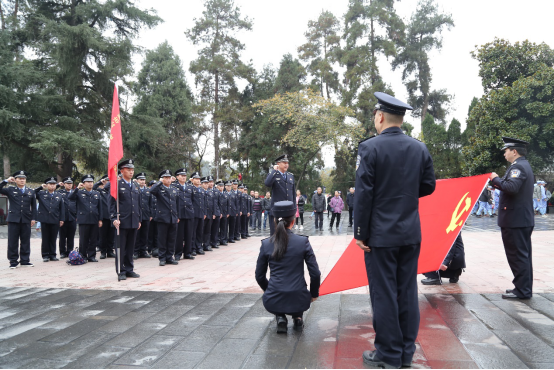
(172, 219)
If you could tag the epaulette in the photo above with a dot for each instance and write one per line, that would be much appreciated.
(290, 173)
(371, 137)
(266, 238)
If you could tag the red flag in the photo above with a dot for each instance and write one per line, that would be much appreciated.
(240, 176)
(116, 144)
(442, 215)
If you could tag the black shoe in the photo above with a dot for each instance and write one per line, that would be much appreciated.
(155, 253)
(98, 249)
(162, 263)
(13, 267)
(231, 241)
(281, 324)
(200, 252)
(259, 228)
(111, 255)
(371, 359)
(298, 324)
(92, 259)
(102, 256)
(193, 253)
(237, 239)
(509, 291)
(208, 249)
(429, 281)
(223, 244)
(406, 364)
(121, 276)
(28, 264)
(454, 280)
(135, 256)
(172, 262)
(46, 259)
(63, 255)
(144, 255)
(188, 257)
(53, 259)
(511, 296)
(132, 274)
(215, 246)
(177, 258)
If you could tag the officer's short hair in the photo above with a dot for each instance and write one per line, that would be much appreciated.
(521, 151)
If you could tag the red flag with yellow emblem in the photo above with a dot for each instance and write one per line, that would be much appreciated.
(116, 144)
(442, 216)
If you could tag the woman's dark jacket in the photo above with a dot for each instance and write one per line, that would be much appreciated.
(286, 291)
(301, 202)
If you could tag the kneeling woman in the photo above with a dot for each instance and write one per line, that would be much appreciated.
(286, 291)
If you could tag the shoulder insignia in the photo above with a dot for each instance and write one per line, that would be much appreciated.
(515, 173)
(358, 160)
(290, 173)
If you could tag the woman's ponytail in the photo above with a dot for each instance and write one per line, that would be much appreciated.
(280, 238)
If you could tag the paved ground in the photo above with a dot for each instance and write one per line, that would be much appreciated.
(207, 313)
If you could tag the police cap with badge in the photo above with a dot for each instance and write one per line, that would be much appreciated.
(105, 177)
(50, 180)
(283, 158)
(210, 178)
(87, 177)
(67, 180)
(219, 182)
(165, 173)
(195, 175)
(283, 209)
(181, 171)
(128, 163)
(389, 104)
(511, 143)
(21, 174)
(204, 179)
(140, 176)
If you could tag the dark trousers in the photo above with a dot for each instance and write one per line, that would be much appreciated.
(67, 237)
(392, 277)
(107, 236)
(88, 237)
(318, 220)
(207, 231)
(214, 234)
(198, 234)
(153, 236)
(333, 217)
(49, 235)
(448, 273)
(183, 242)
(517, 244)
(231, 221)
(301, 217)
(166, 240)
(243, 225)
(238, 226)
(257, 219)
(19, 231)
(293, 314)
(350, 212)
(141, 244)
(127, 239)
(248, 222)
(223, 229)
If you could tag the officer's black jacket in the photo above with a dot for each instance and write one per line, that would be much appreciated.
(69, 205)
(281, 189)
(186, 194)
(244, 208)
(23, 206)
(232, 199)
(130, 199)
(217, 204)
(146, 203)
(51, 209)
(286, 291)
(105, 199)
(167, 203)
(455, 259)
(515, 206)
(393, 172)
(224, 203)
(199, 202)
(89, 206)
(209, 199)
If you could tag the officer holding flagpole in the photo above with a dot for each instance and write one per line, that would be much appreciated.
(282, 185)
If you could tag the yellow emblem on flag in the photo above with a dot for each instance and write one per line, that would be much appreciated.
(455, 221)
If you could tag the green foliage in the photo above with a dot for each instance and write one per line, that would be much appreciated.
(444, 146)
(422, 36)
(470, 126)
(291, 75)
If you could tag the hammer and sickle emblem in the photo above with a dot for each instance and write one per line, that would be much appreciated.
(455, 221)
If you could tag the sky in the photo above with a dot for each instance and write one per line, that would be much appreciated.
(279, 27)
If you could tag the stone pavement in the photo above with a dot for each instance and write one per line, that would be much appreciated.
(208, 313)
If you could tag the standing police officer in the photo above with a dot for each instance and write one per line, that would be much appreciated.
(391, 252)
(238, 208)
(51, 213)
(214, 233)
(153, 232)
(107, 231)
(184, 241)
(89, 216)
(282, 185)
(198, 203)
(516, 216)
(21, 217)
(232, 202)
(224, 210)
(141, 244)
(67, 230)
(209, 202)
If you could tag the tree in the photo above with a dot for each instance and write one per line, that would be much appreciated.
(312, 121)
(291, 75)
(422, 36)
(321, 52)
(218, 64)
(470, 126)
(161, 130)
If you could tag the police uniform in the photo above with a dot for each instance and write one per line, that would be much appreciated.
(199, 205)
(209, 202)
(244, 213)
(286, 293)
(516, 220)
(141, 244)
(282, 187)
(455, 261)
(106, 234)
(378, 211)
(184, 241)
(232, 220)
(153, 232)
(67, 230)
(214, 233)
(238, 207)
(249, 211)
(223, 204)
(167, 217)
(89, 214)
(51, 212)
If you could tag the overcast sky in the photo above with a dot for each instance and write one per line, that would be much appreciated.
(279, 28)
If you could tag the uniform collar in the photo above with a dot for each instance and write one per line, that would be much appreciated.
(392, 130)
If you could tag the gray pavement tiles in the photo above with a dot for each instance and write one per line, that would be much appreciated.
(120, 329)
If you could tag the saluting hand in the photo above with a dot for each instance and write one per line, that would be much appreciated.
(80, 186)
(362, 245)
(11, 179)
(275, 167)
(43, 186)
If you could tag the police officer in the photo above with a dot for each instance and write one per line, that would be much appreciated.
(183, 242)
(167, 217)
(141, 244)
(451, 267)
(129, 219)
(224, 211)
(209, 202)
(67, 230)
(248, 211)
(89, 216)
(243, 212)
(198, 203)
(516, 217)
(51, 213)
(107, 231)
(214, 233)
(153, 232)
(282, 185)
(391, 252)
(232, 207)
(238, 207)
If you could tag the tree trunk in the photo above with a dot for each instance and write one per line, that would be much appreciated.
(372, 41)
(304, 169)
(425, 106)
(7, 167)
(216, 125)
